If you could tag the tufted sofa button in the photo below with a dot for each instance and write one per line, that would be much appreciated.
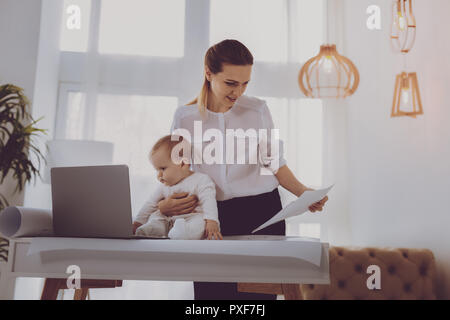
(341, 284)
(407, 287)
(405, 254)
(311, 286)
(340, 253)
(391, 270)
(372, 254)
(358, 268)
(423, 270)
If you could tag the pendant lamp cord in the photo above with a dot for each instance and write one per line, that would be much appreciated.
(327, 21)
(404, 62)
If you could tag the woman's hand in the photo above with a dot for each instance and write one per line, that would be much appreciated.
(212, 230)
(177, 204)
(290, 182)
(318, 206)
(135, 226)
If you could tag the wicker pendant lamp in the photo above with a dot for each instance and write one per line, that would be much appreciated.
(403, 27)
(329, 74)
(407, 100)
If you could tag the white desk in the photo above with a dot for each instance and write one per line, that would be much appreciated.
(161, 266)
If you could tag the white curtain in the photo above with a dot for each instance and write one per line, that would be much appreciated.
(133, 62)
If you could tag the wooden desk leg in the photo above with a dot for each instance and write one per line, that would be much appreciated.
(80, 294)
(291, 291)
(51, 288)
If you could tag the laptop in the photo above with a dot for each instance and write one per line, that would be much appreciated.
(92, 202)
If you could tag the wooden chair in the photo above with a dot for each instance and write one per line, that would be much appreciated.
(52, 286)
(291, 291)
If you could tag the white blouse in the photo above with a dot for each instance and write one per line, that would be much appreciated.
(220, 136)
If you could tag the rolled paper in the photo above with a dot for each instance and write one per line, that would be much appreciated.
(25, 222)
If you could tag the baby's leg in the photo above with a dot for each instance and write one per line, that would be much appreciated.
(195, 227)
(156, 226)
(191, 228)
(178, 231)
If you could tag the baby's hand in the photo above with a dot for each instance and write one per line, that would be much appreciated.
(212, 230)
(135, 226)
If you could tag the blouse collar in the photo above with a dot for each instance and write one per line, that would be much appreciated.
(226, 112)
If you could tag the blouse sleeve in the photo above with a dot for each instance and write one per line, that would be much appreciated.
(207, 198)
(271, 150)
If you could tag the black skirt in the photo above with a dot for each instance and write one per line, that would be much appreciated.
(240, 216)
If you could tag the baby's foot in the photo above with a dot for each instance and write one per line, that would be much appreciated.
(151, 230)
(178, 230)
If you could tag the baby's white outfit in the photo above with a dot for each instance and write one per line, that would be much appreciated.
(189, 226)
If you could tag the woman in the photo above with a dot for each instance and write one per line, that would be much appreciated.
(245, 196)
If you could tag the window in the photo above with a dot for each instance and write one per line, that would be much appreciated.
(133, 123)
(259, 24)
(274, 31)
(76, 113)
(130, 123)
(142, 27)
(301, 229)
(301, 127)
(132, 27)
(309, 29)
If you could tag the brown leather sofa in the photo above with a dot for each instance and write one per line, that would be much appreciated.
(404, 274)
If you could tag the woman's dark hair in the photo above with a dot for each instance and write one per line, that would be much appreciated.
(225, 52)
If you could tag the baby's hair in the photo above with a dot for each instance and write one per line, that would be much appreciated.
(170, 141)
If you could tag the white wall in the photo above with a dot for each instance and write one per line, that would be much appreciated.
(31, 61)
(38, 194)
(399, 167)
(335, 171)
(19, 31)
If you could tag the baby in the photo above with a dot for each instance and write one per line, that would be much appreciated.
(175, 178)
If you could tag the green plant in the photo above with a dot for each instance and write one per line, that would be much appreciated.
(16, 139)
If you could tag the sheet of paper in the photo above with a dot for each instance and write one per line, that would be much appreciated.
(296, 207)
(294, 247)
